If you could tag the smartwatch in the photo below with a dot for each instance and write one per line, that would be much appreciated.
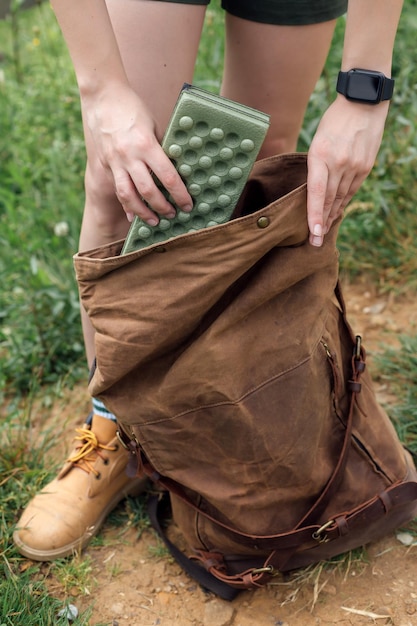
(365, 86)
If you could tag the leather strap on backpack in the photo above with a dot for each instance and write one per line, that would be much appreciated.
(203, 576)
(212, 574)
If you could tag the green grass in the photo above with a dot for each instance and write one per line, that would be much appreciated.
(41, 198)
(398, 370)
(24, 601)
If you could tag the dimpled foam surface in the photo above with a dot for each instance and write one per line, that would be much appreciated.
(213, 143)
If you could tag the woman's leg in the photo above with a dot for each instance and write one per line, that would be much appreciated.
(275, 69)
(159, 44)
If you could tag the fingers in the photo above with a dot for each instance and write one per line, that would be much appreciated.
(167, 174)
(138, 193)
(317, 181)
(329, 190)
(327, 205)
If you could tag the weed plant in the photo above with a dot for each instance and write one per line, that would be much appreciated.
(41, 198)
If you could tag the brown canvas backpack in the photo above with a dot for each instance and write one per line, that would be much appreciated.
(239, 386)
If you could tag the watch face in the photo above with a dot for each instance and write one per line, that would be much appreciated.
(364, 86)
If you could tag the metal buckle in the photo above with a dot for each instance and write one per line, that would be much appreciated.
(317, 535)
(358, 346)
(125, 440)
(268, 569)
(120, 438)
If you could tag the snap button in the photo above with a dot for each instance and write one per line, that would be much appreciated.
(263, 222)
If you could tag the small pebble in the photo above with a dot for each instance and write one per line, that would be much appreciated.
(70, 612)
(405, 538)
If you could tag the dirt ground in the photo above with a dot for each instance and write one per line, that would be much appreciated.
(130, 585)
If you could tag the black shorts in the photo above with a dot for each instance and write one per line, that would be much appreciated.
(282, 12)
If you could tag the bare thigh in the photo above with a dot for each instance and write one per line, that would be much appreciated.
(275, 69)
(158, 42)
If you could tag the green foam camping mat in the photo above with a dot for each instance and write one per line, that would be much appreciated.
(213, 143)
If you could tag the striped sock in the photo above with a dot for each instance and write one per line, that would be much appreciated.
(100, 409)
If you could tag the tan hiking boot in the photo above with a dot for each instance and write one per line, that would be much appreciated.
(70, 510)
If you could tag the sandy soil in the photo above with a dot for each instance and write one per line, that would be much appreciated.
(130, 585)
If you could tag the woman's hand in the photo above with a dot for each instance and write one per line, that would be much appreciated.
(123, 132)
(342, 154)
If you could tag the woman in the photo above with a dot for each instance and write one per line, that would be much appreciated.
(131, 58)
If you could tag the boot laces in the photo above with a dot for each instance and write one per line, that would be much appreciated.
(88, 450)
